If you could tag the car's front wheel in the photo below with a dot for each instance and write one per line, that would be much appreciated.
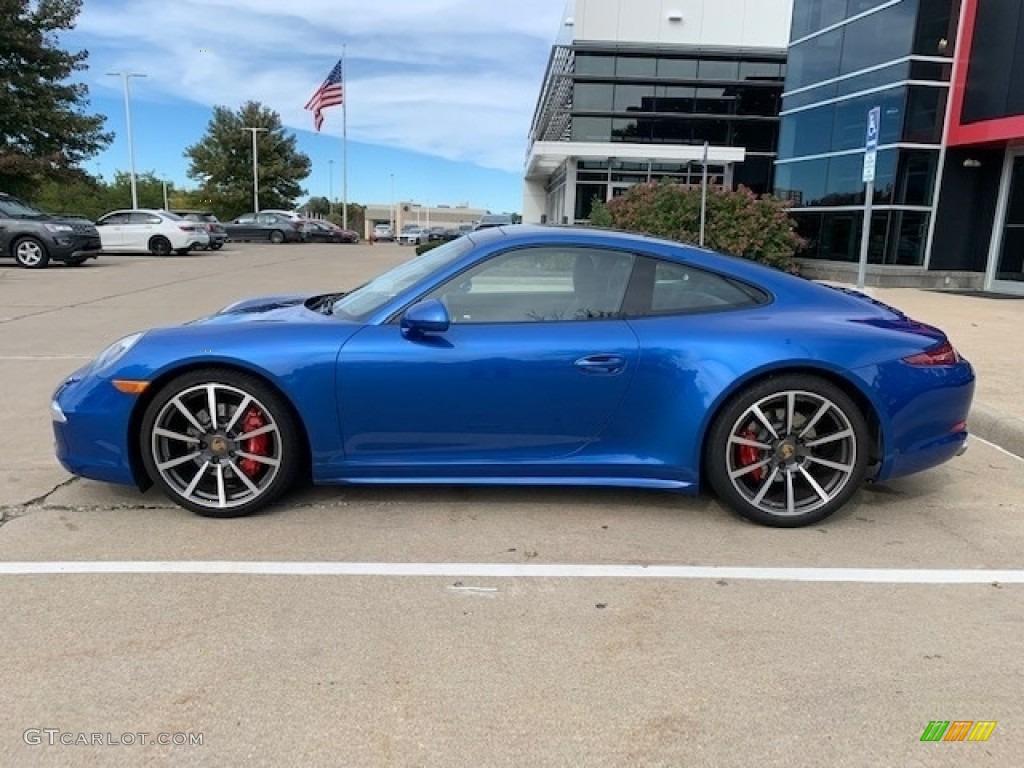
(220, 443)
(30, 253)
(788, 451)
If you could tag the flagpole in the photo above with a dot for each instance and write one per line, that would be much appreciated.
(344, 141)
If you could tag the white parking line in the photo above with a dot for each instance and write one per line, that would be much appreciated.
(997, 447)
(512, 570)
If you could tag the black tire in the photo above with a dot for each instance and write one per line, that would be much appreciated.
(160, 246)
(30, 253)
(277, 237)
(780, 481)
(216, 246)
(218, 449)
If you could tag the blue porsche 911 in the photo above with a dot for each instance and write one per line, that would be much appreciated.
(530, 355)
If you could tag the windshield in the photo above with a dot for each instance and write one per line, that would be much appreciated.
(15, 208)
(367, 299)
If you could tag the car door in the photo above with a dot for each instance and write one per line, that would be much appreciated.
(533, 366)
(244, 227)
(140, 229)
(111, 229)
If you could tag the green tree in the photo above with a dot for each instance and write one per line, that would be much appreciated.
(84, 196)
(45, 132)
(356, 216)
(222, 161)
(738, 222)
(317, 206)
(149, 186)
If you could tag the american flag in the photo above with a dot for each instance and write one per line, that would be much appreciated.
(330, 94)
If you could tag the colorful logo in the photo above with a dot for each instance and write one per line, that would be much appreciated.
(958, 730)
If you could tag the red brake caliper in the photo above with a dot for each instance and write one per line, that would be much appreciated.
(258, 446)
(748, 455)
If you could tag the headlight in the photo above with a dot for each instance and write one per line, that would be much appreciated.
(115, 351)
(59, 227)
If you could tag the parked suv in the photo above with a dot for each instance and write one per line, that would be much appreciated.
(35, 238)
(218, 235)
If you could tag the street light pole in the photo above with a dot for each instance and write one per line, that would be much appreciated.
(392, 204)
(125, 77)
(330, 199)
(255, 169)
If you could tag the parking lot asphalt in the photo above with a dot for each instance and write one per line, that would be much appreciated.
(424, 657)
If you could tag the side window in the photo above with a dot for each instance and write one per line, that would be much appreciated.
(665, 287)
(266, 218)
(246, 219)
(539, 285)
(114, 218)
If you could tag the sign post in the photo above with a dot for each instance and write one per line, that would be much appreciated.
(870, 157)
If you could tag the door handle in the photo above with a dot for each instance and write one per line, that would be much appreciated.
(604, 363)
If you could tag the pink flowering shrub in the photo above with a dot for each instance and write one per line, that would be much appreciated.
(739, 223)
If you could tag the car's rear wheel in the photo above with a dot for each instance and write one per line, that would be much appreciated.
(160, 246)
(220, 443)
(30, 253)
(277, 236)
(788, 451)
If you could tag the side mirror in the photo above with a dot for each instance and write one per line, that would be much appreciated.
(427, 317)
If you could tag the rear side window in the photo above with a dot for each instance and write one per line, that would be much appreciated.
(666, 288)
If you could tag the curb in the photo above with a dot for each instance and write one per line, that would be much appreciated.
(997, 427)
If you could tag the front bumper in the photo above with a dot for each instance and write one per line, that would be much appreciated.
(74, 247)
(90, 427)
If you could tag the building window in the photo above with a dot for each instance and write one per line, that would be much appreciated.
(718, 69)
(634, 98)
(636, 66)
(878, 37)
(811, 15)
(593, 97)
(926, 113)
(591, 128)
(814, 60)
(586, 196)
(677, 69)
(802, 183)
(595, 64)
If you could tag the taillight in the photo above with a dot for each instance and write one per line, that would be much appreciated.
(943, 354)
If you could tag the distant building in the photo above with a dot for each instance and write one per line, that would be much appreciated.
(634, 89)
(407, 213)
(949, 190)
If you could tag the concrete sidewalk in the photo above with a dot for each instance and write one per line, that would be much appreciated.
(988, 331)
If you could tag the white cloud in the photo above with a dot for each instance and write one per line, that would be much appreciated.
(454, 78)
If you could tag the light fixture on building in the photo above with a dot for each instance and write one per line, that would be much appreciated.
(569, 21)
(970, 162)
(675, 15)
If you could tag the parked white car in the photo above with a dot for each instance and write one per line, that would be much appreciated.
(414, 236)
(383, 232)
(150, 231)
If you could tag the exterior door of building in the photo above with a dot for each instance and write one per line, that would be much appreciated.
(1006, 262)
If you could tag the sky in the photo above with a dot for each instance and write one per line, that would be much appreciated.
(440, 93)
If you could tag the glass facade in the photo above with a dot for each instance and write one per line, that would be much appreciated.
(847, 56)
(680, 98)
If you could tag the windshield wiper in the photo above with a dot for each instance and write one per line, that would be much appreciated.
(324, 304)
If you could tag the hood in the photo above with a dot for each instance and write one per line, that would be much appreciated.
(266, 309)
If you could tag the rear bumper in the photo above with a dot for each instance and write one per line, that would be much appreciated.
(924, 416)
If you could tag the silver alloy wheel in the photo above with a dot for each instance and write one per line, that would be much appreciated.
(791, 453)
(29, 253)
(201, 458)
